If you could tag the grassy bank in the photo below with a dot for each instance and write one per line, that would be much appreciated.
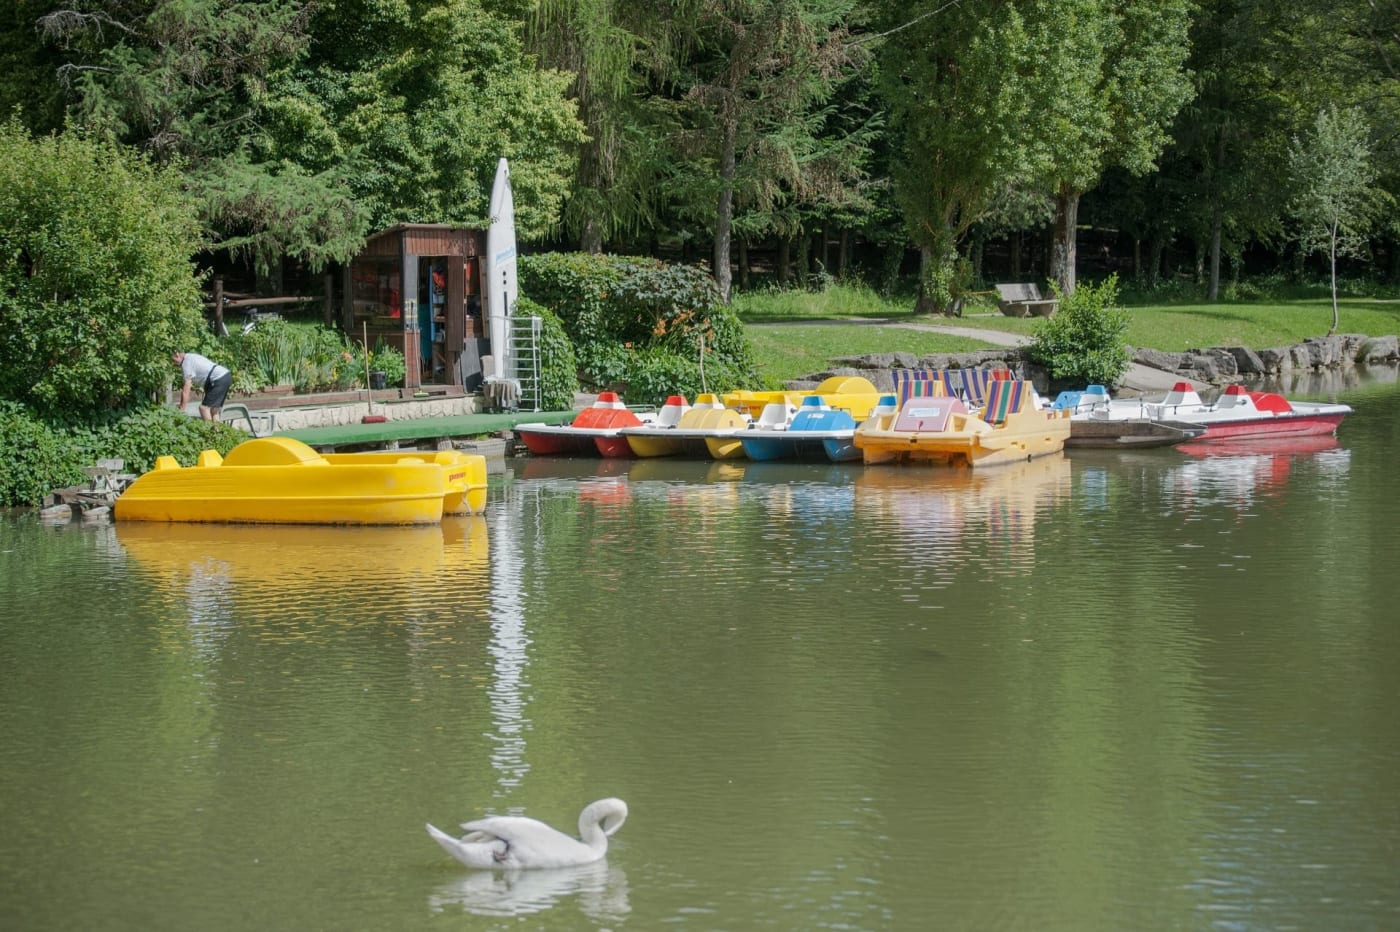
(842, 322)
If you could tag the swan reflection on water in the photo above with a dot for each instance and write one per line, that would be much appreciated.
(601, 892)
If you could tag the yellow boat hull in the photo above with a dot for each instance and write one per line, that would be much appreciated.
(277, 480)
(966, 440)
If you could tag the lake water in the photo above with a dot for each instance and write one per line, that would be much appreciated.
(1135, 690)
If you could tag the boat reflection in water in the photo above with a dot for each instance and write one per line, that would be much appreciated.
(601, 892)
(1234, 473)
(939, 513)
(290, 578)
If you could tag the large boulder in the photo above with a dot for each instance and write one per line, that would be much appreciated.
(1247, 362)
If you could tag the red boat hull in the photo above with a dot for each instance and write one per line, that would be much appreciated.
(554, 444)
(1302, 425)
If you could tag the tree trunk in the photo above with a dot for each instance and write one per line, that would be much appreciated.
(804, 258)
(1333, 258)
(976, 256)
(743, 264)
(1154, 260)
(724, 218)
(1137, 259)
(925, 304)
(1217, 220)
(1065, 253)
(1016, 249)
(590, 238)
(844, 259)
(784, 260)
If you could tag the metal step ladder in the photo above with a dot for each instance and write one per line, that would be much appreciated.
(523, 352)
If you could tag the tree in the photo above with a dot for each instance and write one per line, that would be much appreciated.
(418, 102)
(755, 86)
(958, 92)
(1335, 197)
(1109, 80)
(193, 82)
(611, 51)
(27, 68)
(96, 284)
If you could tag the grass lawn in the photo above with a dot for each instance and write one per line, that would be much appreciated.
(791, 351)
(821, 326)
(1175, 327)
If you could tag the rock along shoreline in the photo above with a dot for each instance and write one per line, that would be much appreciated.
(1214, 366)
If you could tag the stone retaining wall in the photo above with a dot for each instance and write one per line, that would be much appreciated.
(1220, 365)
(337, 415)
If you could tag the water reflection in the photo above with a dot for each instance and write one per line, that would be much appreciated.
(1236, 473)
(601, 891)
(509, 653)
(931, 510)
(285, 577)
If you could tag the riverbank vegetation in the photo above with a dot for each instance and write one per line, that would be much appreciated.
(794, 337)
(808, 158)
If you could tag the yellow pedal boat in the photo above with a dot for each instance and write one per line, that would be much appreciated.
(941, 429)
(842, 392)
(278, 480)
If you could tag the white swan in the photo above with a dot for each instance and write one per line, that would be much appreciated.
(517, 843)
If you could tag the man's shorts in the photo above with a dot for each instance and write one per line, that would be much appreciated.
(216, 390)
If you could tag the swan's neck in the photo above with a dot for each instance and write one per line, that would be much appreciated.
(599, 820)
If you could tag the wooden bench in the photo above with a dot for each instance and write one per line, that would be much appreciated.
(1024, 300)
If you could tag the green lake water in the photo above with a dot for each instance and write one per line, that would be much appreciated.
(1138, 690)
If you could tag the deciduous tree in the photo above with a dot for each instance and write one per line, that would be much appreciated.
(1335, 196)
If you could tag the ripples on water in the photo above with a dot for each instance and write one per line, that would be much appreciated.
(1104, 690)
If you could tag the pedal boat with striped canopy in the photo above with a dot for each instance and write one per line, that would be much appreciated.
(940, 429)
(279, 480)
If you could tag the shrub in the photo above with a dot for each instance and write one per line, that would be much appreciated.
(558, 367)
(96, 283)
(1083, 342)
(141, 435)
(635, 322)
(388, 360)
(35, 459)
(40, 456)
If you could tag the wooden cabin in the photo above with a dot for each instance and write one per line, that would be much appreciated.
(417, 286)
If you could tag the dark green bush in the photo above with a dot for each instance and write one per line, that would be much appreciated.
(558, 367)
(1083, 342)
(35, 459)
(139, 436)
(636, 323)
(96, 283)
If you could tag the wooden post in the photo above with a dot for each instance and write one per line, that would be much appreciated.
(219, 328)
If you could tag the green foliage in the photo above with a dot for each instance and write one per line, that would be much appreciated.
(310, 357)
(640, 318)
(1084, 340)
(388, 360)
(38, 457)
(34, 458)
(140, 435)
(558, 367)
(96, 284)
(418, 101)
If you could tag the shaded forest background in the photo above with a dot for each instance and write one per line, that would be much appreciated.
(948, 143)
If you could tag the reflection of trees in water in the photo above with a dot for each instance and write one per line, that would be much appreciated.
(1308, 383)
(601, 892)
